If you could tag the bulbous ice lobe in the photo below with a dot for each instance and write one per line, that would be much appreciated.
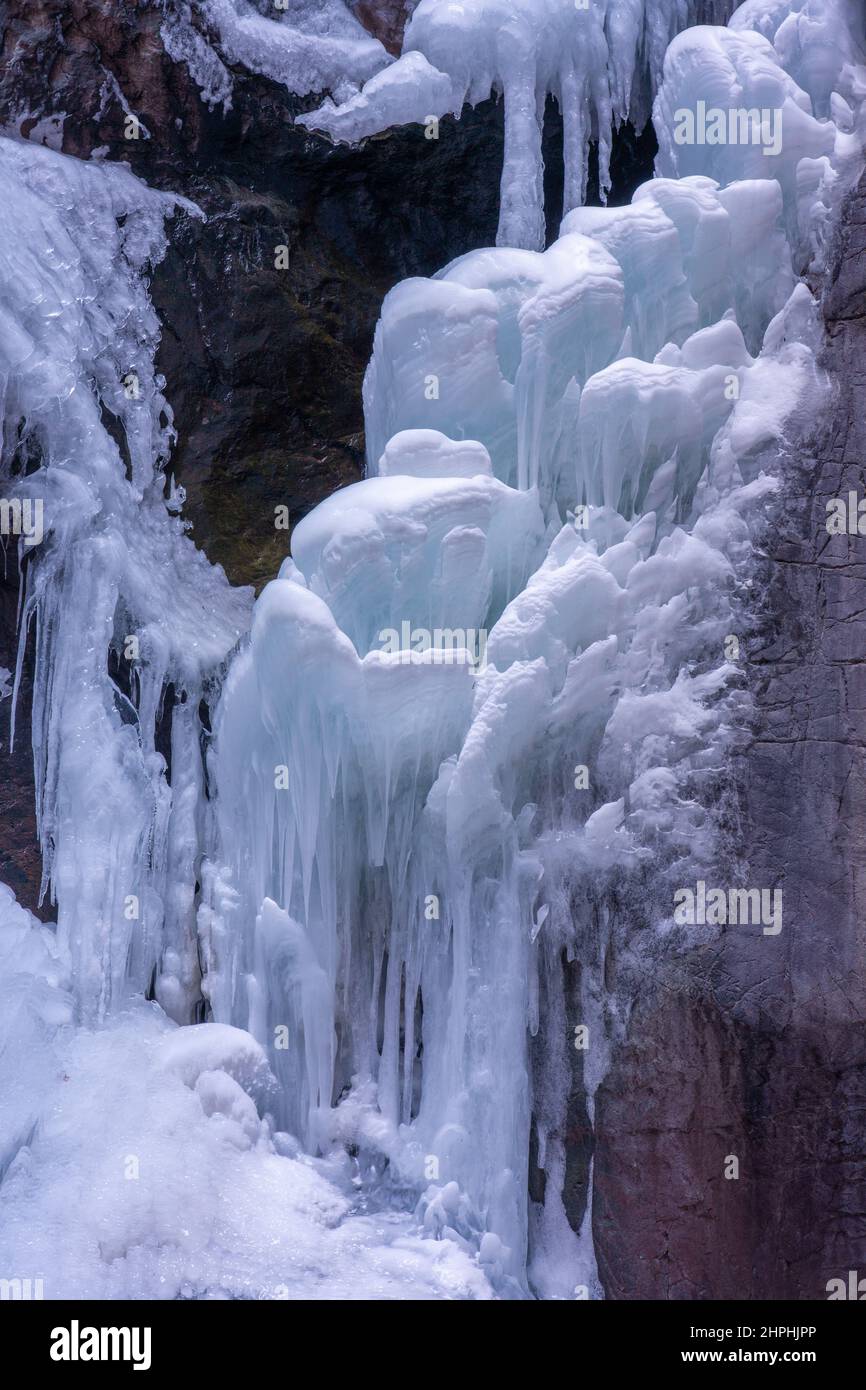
(729, 107)
(432, 552)
(815, 41)
(501, 335)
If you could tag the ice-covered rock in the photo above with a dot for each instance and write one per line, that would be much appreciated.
(308, 45)
(114, 578)
(410, 90)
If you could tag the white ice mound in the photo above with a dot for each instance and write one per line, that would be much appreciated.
(35, 1002)
(191, 1052)
(690, 252)
(728, 108)
(336, 754)
(432, 552)
(430, 454)
(638, 420)
(816, 41)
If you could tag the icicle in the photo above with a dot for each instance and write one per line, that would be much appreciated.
(601, 61)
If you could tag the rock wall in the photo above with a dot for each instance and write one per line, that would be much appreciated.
(758, 1051)
(385, 18)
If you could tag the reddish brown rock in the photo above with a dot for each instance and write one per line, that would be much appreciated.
(386, 19)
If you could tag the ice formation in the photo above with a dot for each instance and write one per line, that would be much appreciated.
(601, 62)
(491, 686)
(308, 45)
(115, 578)
(135, 1164)
(132, 628)
(425, 836)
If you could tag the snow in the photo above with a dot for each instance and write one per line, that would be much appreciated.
(152, 1175)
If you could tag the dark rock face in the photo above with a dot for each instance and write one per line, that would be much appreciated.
(269, 307)
(763, 1056)
(20, 860)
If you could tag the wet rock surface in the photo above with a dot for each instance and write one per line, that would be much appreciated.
(20, 861)
(385, 18)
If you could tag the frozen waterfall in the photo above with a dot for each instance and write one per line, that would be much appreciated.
(114, 579)
(568, 451)
(475, 726)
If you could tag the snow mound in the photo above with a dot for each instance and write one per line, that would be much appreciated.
(152, 1175)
